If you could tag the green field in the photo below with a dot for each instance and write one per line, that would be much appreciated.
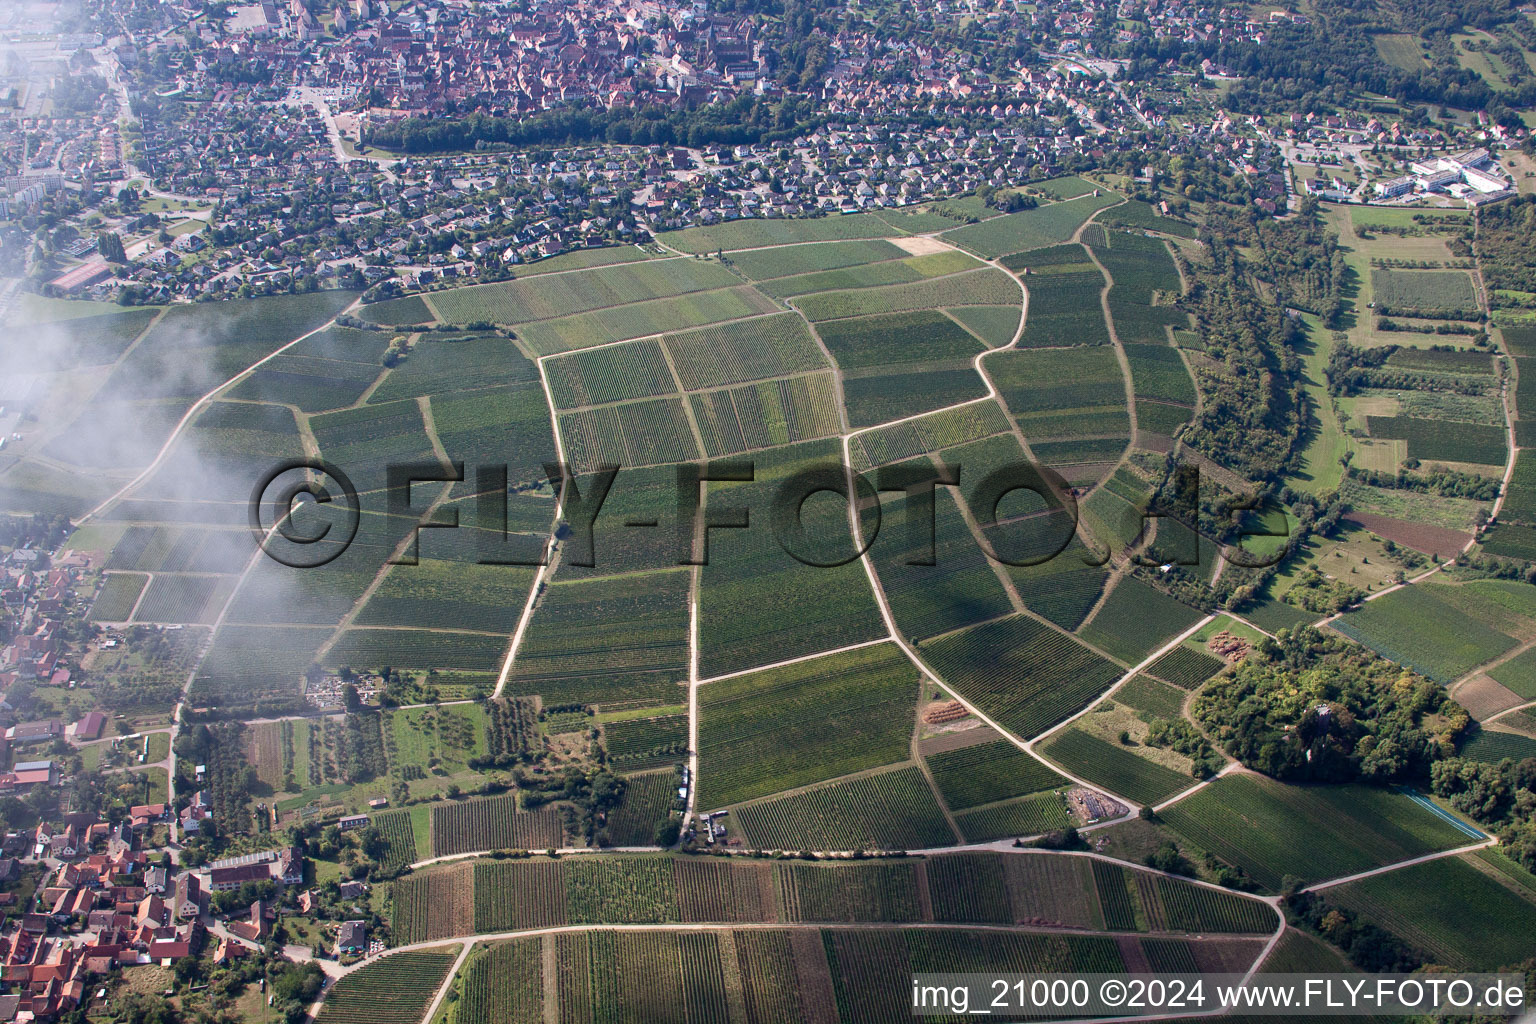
(887, 810)
(988, 772)
(752, 234)
(1023, 674)
(1136, 619)
(792, 260)
(1462, 917)
(1257, 825)
(1439, 291)
(390, 990)
(1413, 627)
(733, 353)
(1116, 768)
(1045, 225)
(547, 296)
(766, 732)
(983, 287)
(606, 641)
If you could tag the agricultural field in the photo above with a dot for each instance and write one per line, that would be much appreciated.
(873, 275)
(613, 641)
(984, 287)
(1463, 917)
(767, 414)
(617, 374)
(1050, 224)
(1142, 216)
(639, 319)
(755, 234)
(1025, 816)
(758, 348)
(938, 590)
(439, 364)
(1443, 439)
(1402, 292)
(1066, 393)
(1185, 667)
(502, 983)
(545, 297)
(814, 609)
(494, 823)
(1414, 627)
(1518, 674)
(642, 744)
(1116, 767)
(887, 810)
(988, 772)
(945, 428)
(1064, 308)
(795, 260)
(1023, 674)
(1251, 822)
(449, 595)
(329, 370)
(1136, 619)
(119, 593)
(402, 312)
(900, 364)
(390, 990)
(645, 433)
(766, 732)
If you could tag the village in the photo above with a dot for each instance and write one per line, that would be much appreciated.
(298, 200)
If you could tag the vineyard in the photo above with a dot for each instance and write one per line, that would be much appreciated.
(762, 415)
(503, 984)
(1413, 627)
(902, 364)
(755, 234)
(872, 275)
(117, 596)
(641, 319)
(938, 591)
(544, 297)
(394, 989)
(1046, 225)
(767, 346)
(1448, 440)
(1118, 769)
(985, 287)
(766, 732)
(648, 801)
(1185, 667)
(814, 609)
(1251, 822)
(1022, 888)
(1023, 674)
(987, 772)
(1435, 291)
(494, 823)
(1459, 915)
(638, 744)
(439, 366)
(617, 374)
(890, 810)
(764, 264)
(994, 325)
(1026, 816)
(1136, 619)
(606, 641)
